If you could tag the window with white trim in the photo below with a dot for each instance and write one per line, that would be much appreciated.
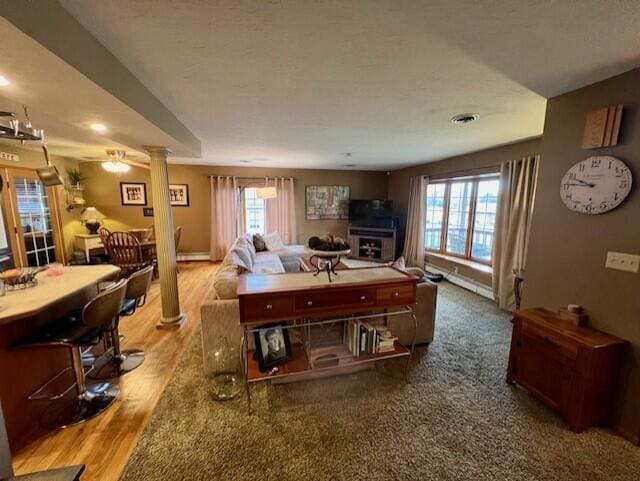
(461, 215)
(254, 211)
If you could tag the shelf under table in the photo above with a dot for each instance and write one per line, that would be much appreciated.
(300, 363)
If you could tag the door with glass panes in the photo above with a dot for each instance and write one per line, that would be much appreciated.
(32, 209)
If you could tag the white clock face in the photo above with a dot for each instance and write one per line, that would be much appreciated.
(596, 185)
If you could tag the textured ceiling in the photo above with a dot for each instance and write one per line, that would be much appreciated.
(297, 83)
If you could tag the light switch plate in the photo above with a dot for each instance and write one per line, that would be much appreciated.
(623, 262)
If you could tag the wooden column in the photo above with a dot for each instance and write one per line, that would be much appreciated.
(165, 244)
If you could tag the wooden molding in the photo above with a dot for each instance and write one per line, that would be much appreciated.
(602, 127)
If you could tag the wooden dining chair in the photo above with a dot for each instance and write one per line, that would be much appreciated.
(126, 252)
(103, 232)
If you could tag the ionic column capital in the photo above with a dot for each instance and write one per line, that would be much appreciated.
(156, 150)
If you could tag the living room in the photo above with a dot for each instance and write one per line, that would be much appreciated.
(362, 248)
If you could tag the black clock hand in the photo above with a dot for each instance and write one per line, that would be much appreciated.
(581, 185)
(585, 183)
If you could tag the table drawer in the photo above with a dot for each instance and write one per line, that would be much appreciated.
(563, 346)
(329, 300)
(393, 295)
(267, 307)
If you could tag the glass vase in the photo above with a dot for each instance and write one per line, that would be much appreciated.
(222, 368)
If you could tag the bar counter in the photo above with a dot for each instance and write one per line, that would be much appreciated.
(23, 371)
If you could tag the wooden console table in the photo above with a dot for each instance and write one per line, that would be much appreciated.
(571, 369)
(305, 300)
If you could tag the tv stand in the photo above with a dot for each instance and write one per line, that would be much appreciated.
(372, 243)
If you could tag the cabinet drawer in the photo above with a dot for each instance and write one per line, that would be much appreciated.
(267, 307)
(392, 295)
(563, 346)
(324, 300)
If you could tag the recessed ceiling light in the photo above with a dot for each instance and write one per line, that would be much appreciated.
(98, 127)
(4, 81)
(462, 119)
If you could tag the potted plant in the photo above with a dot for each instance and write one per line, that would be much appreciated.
(75, 178)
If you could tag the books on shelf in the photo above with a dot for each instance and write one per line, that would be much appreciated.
(364, 338)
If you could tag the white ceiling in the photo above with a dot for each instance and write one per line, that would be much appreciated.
(298, 83)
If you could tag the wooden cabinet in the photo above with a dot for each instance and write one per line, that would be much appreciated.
(571, 369)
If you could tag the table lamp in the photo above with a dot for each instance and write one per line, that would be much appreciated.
(91, 218)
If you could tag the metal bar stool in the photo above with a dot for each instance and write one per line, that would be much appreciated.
(75, 333)
(126, 361)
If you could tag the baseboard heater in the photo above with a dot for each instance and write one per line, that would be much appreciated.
(192, 256)
(462, 281)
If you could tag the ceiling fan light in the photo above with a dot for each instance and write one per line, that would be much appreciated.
(116, 167)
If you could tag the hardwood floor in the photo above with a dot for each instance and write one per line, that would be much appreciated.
(105, 443)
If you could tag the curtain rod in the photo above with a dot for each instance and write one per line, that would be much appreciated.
(460, 173)
(252, 178)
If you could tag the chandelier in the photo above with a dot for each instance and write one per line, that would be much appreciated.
(115, 163)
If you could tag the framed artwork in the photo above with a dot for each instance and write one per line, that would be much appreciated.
(327, 202)
(133, 193)
(272, 346)
(179, 195)
(147, 211)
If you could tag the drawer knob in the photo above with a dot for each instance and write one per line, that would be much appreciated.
(363, 298)
(396, 294)
(309, 303)
(269, 307)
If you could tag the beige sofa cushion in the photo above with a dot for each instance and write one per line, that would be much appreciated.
(225, 282)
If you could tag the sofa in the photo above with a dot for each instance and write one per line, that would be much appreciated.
(220, 311)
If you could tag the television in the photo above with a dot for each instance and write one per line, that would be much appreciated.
(371, 213)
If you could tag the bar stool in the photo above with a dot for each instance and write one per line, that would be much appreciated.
(126, 361)
(75, 333)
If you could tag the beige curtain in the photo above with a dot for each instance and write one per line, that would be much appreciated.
(513, 223)
(414, 234)
(281, 211)
(223, 215)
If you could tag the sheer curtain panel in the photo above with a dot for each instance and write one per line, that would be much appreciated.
(281, 211)
(224, 216)
(513, 222)
(414, 234)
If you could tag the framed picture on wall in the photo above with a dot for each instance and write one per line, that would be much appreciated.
(179, 195)
(327, 202)
(133, 193)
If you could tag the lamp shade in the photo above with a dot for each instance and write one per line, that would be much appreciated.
(92, 214)
(266, 193)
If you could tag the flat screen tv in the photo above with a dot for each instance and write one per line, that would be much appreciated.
(370, 213)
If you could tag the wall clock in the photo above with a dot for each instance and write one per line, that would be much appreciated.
(596, 185)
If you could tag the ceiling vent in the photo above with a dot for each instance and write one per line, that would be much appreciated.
(462, 119)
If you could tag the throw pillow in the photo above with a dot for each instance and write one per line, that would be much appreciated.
(240, 257)
(245, 244)
(273, 241)
(258, 243)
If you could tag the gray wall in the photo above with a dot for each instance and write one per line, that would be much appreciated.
(568, 250)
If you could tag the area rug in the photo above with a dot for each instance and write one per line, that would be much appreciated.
(456, 420)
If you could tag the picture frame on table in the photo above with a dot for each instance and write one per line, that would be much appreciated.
(273, 347)
(133, 193)
(179, 195)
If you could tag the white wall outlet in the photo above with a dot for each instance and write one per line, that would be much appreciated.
(623, 262)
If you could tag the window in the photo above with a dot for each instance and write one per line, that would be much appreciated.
(460, 217)
(254, 211)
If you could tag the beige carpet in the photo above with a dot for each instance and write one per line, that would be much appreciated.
(456, 420)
